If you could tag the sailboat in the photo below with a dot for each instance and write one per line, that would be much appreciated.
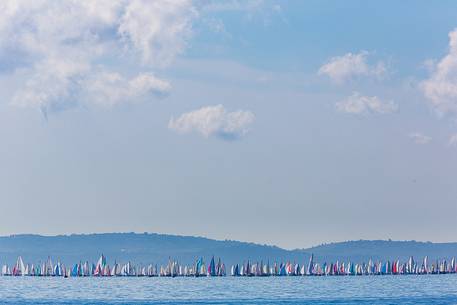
(212, 268)
(235, 270)
(6, 270)
(99, 269)
(309, 270)
(19, 267)
(58, 270)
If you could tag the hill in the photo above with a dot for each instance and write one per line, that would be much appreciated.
(157, 248)
(139, 248)
(363, 250)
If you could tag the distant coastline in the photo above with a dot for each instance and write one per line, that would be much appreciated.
(152, 248)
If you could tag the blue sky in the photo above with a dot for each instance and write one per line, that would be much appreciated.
(280, 122)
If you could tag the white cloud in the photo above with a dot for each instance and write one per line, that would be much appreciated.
(441, 87)
(420, 138)
(51, 84)
(453, 140)
(76, 47)
(349, 66)
(213, 121)
(358, 104)
(157, 29)
(109, 89)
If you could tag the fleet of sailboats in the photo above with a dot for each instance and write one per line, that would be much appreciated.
(217, 268)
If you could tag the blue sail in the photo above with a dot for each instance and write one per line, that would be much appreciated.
(309, 270)
(198, 266)
(212, 267)
(74, 271)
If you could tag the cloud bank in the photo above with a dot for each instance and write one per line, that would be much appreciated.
(360, 104)
(72, 52)
(214, 121)
(346, 67)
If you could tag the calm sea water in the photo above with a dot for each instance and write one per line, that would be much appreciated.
(411, 289)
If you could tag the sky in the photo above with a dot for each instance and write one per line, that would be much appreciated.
(291, 123)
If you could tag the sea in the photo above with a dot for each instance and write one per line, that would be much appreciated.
(387, 289)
